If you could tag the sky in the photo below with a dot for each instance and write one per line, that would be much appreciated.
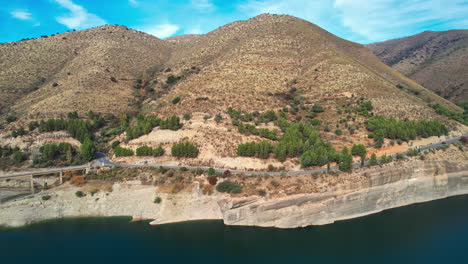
(362, 21)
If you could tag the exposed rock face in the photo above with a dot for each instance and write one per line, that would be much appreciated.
(385, 188)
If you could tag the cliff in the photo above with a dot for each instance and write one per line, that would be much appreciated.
(385, 187)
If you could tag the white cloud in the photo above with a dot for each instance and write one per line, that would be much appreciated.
(384, 19)
(133, 2)
(79, 18)
(162, 30)
(37, 24)
(22, 15)
(204, 6)
(368, 20)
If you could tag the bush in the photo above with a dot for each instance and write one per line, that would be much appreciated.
(157, 200)
(11, 118)
(229, 187)
(211, 171)
(176, 100)
(80, 194)
(413, 152)
(317, 109)
(187, 116)
(171, 79)
(373, 160)
(185, 150)
(115, 144)
(18, 156)
(275, 183)
(123, 152)
(148, 151)
(46, 197)
(339, 132)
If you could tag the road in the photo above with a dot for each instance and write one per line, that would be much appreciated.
(102, 160)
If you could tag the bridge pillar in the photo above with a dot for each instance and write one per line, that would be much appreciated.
(61, 177)
(32, 183)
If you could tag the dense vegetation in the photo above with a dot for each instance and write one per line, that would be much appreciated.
(123, 152)
(442, 110)
(229, 187)
(149, 151)
(78, 129)
(62, 152)
(403, 130)
(145, 125)
(185, 150)
(253, 149)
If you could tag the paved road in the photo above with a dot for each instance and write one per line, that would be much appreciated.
(102, 160)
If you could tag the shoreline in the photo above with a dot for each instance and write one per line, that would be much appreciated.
(384, 188)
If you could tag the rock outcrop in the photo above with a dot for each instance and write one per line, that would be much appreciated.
(384, 188)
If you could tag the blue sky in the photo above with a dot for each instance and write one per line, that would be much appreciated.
(362, 21)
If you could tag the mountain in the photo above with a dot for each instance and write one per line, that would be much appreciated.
(249, 65)
(436, 60)
(79, 70)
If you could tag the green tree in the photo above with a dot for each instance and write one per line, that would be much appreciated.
(373, 160)
(88, 150)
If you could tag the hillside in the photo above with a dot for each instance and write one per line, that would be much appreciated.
(76, 71)
(249, 64)
(305, 93)
(436, 60)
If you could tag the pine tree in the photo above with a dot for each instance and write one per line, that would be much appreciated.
(373, 160)
(88, 150)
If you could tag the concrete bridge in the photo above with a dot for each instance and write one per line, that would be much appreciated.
(59, 171)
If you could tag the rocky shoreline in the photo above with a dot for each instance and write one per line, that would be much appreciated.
(384, 188)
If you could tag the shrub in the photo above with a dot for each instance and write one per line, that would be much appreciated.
(184, 149)
(226, 173)
(11, 118)
(148, 151)
(162, 170)
(262, 192)
(218, 118)
(80, 194)
(317, 109)
(339, 132)
(373, 160)
(229, 187)
(157, 200)
(171, 79)
(187, 116)
(115, 144)
(413, 152)
(275, 183)
(202, 99)
(176, 100)
(123, 152)
(18, 156)
(46, 197)
(211, 171)
(212, 180)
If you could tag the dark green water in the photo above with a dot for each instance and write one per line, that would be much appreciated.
(434, 232)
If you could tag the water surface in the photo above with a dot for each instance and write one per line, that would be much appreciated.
(434, 232)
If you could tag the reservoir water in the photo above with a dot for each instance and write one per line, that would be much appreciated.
(434, 232)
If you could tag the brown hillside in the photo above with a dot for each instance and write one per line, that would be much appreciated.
(73, 71)
(436, 60)
(247, 64)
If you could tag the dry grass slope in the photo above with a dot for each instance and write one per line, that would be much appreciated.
(436, 60)
(72, 71)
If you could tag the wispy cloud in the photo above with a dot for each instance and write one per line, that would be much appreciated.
(79, 17)
(133, 2)
(161, 30)
(22, 15)
(204, 6)
(368, 20)
(384, 19)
